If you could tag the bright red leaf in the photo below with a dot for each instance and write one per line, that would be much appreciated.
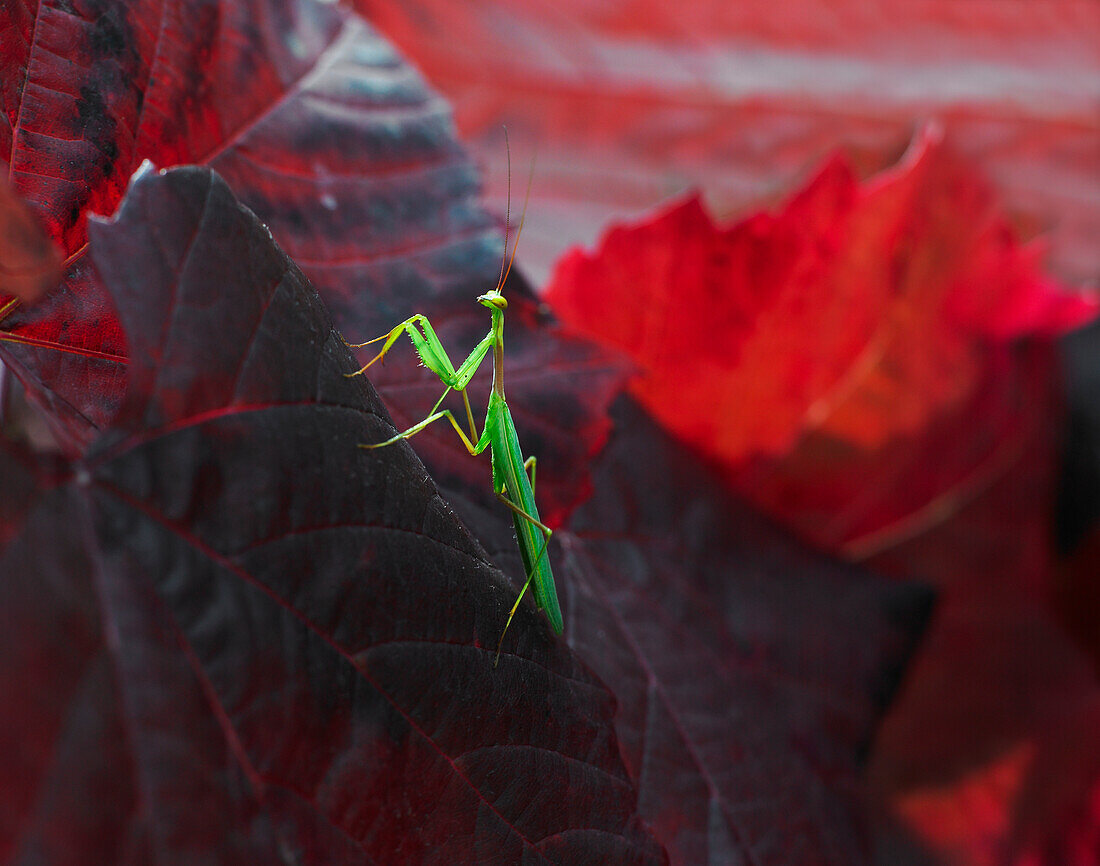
(855, 321)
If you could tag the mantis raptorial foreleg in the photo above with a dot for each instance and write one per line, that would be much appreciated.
(436, 359)
(431, 352)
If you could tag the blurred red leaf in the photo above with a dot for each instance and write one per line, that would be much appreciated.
(30, 264)
(635, 101)
(866, 325)
(1075, 839)
(240, 637)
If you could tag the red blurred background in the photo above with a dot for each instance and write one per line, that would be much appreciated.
(628, 103)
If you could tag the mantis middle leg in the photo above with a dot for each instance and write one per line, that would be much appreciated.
(433, 416)
(529, 467)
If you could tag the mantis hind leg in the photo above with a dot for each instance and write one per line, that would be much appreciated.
(511, 613)
(546, 533)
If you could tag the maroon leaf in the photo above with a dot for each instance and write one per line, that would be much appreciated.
(1056, 829)
(749, 672)
(245, 639)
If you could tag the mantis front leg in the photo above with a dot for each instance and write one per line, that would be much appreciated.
(435, 358)
(431, 352)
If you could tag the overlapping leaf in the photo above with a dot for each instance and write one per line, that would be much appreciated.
(321, 129)
(90, 89)
(749, 672)
(873, 366)
(243, 638)
(790, 657)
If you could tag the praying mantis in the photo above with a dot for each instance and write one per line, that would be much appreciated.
(511, 482)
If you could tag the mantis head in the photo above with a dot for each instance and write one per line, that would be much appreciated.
(493, 299)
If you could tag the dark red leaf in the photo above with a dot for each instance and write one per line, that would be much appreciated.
(93, 87)
(749, 672)
(1067, 831)
(242, 638)
(299, 105)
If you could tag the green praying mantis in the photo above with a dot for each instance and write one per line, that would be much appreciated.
(511, 482)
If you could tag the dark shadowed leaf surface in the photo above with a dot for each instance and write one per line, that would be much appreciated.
(749, 672)
(243, 639)
(1073, 838)
(1079, 500)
